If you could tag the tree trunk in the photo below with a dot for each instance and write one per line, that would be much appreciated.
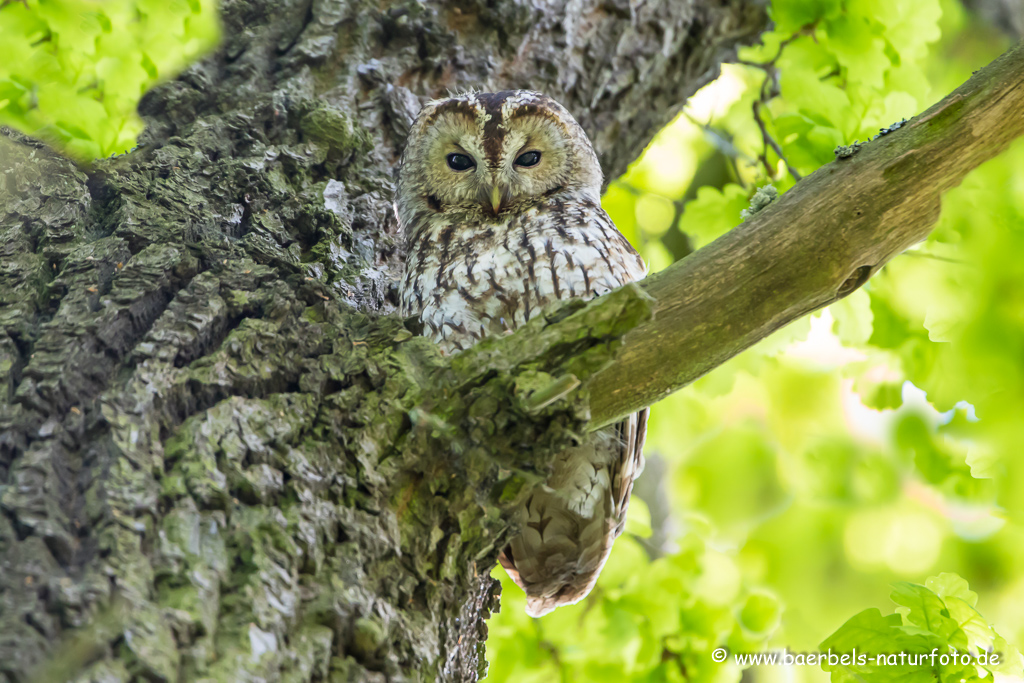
(218, 459)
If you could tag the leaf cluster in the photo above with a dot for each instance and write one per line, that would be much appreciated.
(74, 70)
(939, 617)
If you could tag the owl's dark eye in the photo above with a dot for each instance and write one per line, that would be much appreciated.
(528, 159)
(459, 162)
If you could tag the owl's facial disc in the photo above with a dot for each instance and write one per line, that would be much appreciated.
(509, 163)
(490, 154)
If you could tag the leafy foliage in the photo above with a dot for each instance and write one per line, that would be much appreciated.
(74, 70)
(940, 618)
(646, 620)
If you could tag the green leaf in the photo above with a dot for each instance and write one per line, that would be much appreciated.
(760, 613)
(974, 632)
(914, 436)
(713, 213)
(859, 49)
(853, 318)
(923, 609)
(868, 634)
(950, 585)
(792, 16)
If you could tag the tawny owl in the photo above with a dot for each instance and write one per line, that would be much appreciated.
(499, 200)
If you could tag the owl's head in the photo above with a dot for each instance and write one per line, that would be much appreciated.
(483, 154)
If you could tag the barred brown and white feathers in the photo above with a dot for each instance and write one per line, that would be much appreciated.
(499, 201)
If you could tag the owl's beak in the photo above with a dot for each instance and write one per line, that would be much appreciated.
(496, 199)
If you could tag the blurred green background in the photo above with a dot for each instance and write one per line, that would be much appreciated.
(791, 489)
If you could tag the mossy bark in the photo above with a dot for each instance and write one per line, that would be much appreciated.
(221, 457)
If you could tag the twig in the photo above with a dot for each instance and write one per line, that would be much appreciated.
(770, 141)
(770, 78)
(721, 141)
(936, 257)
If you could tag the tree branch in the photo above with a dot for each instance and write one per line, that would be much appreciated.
(816, 244)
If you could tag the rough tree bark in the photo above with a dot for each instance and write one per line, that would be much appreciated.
(219, 458)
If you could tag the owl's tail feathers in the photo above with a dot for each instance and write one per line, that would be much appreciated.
(561, 567)
(568, 528)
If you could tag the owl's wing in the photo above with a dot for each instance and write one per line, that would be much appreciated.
(633, 433)
(569, 527)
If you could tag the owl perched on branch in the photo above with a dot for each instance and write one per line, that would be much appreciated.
(499, 199)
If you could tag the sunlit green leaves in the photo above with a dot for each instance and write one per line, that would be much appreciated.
(828, 73)
(854, 321)
(713, 213)
(74, 70)
(646, 621)
(932, 622)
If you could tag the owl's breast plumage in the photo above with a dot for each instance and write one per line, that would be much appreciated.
(467, 280)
